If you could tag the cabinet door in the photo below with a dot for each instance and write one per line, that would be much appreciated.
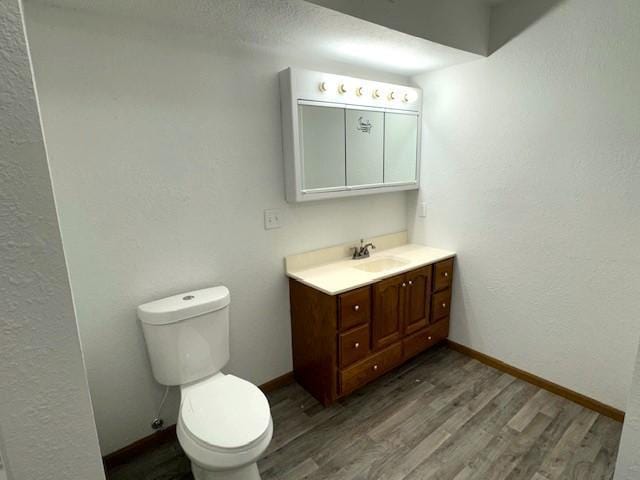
(400, 147)
(322, 146)
(365, 147)
(418, 299)
(388, 309)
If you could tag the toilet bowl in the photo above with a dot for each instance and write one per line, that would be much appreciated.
(224, 424)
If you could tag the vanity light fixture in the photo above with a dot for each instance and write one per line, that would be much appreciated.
(409, 97)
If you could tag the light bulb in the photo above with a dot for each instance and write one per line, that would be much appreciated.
(409, 97)
(360, 91)
(392, 95)
(342, 88)
(376, 93)
(324, 86)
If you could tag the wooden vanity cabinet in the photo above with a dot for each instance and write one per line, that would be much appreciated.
(342, 342)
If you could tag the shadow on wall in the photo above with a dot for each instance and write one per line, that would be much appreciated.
(512, 17)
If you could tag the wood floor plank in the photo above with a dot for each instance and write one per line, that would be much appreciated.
(530, 463)
(560, 456)
(441, 416)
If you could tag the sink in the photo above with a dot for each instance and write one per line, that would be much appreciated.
(381, 264)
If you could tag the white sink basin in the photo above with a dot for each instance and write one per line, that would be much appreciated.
(381, 264)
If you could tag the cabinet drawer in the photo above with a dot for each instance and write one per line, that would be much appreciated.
(367, 370)
(440, 305)
(426, 338)
(354, 307)
(353, 345)
(443, 275)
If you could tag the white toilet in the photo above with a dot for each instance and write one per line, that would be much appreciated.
(225, 423)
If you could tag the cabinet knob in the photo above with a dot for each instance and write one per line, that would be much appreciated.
(404, 284)
(356, 345)
(444, 305)
(356, 307)
(375, 368)
(410, 282)
(446, 274)
(429, 337)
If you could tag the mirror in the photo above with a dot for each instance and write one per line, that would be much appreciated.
(400, 147)
(346, 148)
(323, 147)
(364, 147)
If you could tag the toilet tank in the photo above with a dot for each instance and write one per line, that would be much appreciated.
(187, 335)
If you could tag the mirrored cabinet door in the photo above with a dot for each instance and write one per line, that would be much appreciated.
(400, 147)
(364, 147)
(323, 147)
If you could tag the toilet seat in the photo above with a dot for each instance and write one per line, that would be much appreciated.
(224, 422)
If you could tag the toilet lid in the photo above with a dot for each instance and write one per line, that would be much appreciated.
(225, 412)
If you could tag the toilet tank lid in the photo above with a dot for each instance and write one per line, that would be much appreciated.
(185, 305)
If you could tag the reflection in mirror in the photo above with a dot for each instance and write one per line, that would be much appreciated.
(365, 139)
(323, 148)
(400, 147)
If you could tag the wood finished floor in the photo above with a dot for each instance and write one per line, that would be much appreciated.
(442, 416)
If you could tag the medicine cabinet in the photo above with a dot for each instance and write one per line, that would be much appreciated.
(345, 136)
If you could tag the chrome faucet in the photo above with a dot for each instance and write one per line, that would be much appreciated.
(362, 251)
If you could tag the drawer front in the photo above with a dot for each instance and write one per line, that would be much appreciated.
(426, 338)
(440, 305)
(353, 345)
(443, 275)
(367, 370)
(355, 308)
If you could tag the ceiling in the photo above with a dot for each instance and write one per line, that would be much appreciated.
(288, 27)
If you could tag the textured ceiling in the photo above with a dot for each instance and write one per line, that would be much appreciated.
(290, 27)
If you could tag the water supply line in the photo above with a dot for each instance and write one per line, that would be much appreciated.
(157, 422)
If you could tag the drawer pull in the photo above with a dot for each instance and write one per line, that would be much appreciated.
(404, 284)
(444, 305)
(375, 368)
(429, 337)
(410, 282)
(446, 274)
(356, 345)
(356, 307)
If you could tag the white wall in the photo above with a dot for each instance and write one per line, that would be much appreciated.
(628, 464)
(46, 422)
(165, 149)
(462, 24)
(531, 167)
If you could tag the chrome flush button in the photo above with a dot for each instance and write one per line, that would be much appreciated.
(188, 297)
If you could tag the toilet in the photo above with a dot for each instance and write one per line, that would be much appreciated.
(225, 424)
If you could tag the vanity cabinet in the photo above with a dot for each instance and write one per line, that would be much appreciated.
(342, 342)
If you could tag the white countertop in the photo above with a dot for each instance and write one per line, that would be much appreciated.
(340, 276)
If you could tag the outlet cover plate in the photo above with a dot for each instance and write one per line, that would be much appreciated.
(272, 219)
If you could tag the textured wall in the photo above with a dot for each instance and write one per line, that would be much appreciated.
(46, 422)
(165, 148)
(531, 172)
(628, 465)
(462, 24)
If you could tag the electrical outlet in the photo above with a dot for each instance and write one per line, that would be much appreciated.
(423, 209)
(272, 219)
